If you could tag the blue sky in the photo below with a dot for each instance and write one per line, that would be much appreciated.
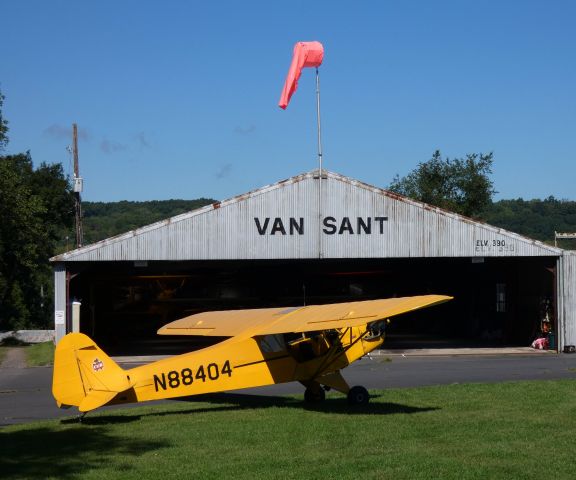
(178, 99)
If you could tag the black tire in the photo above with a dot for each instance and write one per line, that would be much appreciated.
(314, 395)
(358, 396)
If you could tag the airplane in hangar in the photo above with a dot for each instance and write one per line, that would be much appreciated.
(309, 344)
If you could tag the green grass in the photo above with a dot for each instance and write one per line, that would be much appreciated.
(37, 354)
(509, 430)
(40, 354)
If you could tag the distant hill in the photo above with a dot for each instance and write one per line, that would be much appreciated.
(537, 219)
(105, 219)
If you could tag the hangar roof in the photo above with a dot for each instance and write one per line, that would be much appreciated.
(308, 217)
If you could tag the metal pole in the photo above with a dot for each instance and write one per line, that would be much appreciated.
(320, 246)
(319, 124)
(77, 199)
(75, 149)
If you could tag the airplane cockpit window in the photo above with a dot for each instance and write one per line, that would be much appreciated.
(272, 343)
(310, 345)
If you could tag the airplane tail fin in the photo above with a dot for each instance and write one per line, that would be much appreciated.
(84, 375)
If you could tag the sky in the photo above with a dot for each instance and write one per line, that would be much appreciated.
(178, 99)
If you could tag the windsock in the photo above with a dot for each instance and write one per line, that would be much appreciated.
(306, 54)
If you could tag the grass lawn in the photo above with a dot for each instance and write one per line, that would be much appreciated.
(508, 431)
(39, 354)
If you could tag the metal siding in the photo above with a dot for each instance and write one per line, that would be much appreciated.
(228, 231)
(414, 229)
(567, 298)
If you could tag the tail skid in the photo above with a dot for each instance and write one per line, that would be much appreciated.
(84, 376)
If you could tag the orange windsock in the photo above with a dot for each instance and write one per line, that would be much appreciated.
(306, 54)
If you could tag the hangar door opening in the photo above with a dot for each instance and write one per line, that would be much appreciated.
(497, 301)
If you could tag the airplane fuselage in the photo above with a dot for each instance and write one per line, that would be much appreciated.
(251, 362)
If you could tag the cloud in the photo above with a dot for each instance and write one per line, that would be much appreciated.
(245, 130)
(61, 131)
(224, 171)
(109, 147)
(142, 140)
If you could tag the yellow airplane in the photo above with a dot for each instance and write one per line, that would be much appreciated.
(308, 344)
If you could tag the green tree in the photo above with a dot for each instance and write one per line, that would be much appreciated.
(20, 240)
(537, 219)
(3, 126)
(34, 206)
(461, 185)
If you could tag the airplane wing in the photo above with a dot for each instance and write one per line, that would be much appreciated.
(269, 321)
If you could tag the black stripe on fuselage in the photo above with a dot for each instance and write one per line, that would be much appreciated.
(263, 361)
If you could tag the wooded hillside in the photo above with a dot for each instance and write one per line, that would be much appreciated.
(105, 219)
(536, 219)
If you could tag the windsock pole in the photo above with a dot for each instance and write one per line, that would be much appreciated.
(319, 124)
(320, 243)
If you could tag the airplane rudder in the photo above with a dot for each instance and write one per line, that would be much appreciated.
(67, 383)
(98, 370)
(81, 367)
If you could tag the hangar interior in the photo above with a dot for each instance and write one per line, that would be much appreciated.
(498, 301)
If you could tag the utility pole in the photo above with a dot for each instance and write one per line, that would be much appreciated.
(78, 184)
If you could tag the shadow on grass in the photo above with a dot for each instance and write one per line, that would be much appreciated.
(65, 454)
(236, 401)
(101, 419)
(337, 405)
(13, 342)
(227, 402)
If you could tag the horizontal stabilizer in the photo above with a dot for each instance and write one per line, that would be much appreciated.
(95, 399)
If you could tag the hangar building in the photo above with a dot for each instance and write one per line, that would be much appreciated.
(316, 239)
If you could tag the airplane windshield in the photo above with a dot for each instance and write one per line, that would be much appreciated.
(272, 343)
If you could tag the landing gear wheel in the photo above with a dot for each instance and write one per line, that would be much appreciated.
(358, 396)
(314, 395)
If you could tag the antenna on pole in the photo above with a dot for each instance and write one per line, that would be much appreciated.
(78, 185)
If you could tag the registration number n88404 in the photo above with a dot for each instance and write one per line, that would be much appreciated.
(187, 376)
